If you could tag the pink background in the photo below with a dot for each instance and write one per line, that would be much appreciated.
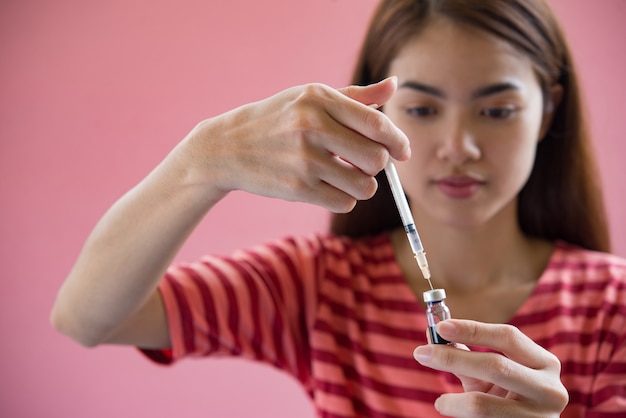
(94, 94)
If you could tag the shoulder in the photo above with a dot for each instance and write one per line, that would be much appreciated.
(580, 297)
(579, 262)
(311, 254)
(328, 257)
(325, 245)
(590, 275)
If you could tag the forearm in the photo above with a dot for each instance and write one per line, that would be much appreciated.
(310, 144)
(130, 248)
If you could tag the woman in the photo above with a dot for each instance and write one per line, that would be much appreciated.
(480, 108)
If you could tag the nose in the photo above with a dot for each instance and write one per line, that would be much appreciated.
(457, 144)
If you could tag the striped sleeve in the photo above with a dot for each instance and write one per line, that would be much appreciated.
(578, 312)
(608, 394)
(257, 303)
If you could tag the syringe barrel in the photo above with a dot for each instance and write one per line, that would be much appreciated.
(414, 239)
(398, 194)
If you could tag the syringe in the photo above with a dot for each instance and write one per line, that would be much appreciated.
(407, 220)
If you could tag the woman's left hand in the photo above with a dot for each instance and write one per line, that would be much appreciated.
(521, 380)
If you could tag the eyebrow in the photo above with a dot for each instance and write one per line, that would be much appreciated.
(481, 92)
(414, 85)
(494, 89)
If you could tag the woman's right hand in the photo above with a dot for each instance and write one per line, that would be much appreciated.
(310, 143)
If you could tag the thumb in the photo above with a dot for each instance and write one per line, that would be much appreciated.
(377, 93)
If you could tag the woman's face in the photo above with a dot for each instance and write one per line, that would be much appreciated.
(473, 109)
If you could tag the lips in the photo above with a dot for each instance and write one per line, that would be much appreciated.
(459, 187)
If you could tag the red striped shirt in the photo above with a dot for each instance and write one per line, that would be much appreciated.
(338, 315)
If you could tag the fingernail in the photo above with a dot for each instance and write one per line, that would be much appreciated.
(447, 329)
(423, 354)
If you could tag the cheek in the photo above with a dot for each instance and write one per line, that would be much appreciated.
(514, 158)
(508, 151)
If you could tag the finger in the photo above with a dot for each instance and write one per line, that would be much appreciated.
(377, 93)
(349, 179)
(488, 367)
(341, 175)
(329, 181)
(373, 125)
(331, 198)
(370, 123)
(369, 156)
(337, 187)
(419, 352)
(506, 339)
(313, 176)
(477, 404)
(343, 159)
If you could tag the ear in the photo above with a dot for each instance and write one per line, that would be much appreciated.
(555, 94)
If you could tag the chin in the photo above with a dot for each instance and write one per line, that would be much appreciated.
(459, 218)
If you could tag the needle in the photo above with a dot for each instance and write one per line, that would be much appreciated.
(407, 220)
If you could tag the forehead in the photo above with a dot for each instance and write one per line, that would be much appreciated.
(449, 54)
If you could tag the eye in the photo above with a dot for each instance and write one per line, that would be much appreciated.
(421, 111)
(498, 112)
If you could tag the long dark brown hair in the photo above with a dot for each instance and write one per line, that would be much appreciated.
(562, 198)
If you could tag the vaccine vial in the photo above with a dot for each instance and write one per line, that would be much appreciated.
(437, 311)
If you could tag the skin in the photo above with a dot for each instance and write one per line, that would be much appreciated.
(309, 143)
(323, 146)
(472, 108)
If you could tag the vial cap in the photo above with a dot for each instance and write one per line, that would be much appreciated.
(435, 295)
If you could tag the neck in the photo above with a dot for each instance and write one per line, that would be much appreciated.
(471, 259)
